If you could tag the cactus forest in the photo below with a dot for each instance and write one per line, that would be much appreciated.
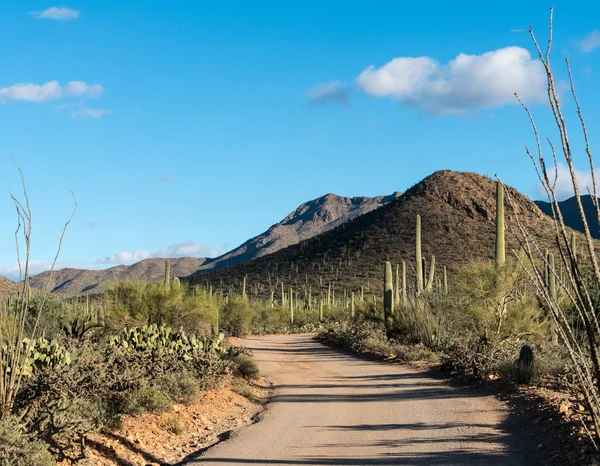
(453, 323)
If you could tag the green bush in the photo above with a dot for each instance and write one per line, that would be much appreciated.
(180, 387)
(237, 317)
(172, 424)
(246, 366)
(19, 448)
(241, 387)
(147, 400)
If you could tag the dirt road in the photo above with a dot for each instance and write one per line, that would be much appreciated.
(331, 408)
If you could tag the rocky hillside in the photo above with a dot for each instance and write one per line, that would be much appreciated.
(458, 225)
(75, 281)
(310, 219)
(571, 215)
(7, 286)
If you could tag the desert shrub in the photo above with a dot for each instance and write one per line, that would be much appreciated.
(476, 358)
(172, 424)
(142, 303)
(551, 362)
(376, 346)
(272, 320)
(20, 448)
(416, 352)
(147, 400)
(353, 335)
(56, 314)
(237, 317)
(424, 321)
(246, 366)
(180, 387)
(241, 387)
(209, 369)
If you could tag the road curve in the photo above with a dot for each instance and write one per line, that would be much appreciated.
(331, 408)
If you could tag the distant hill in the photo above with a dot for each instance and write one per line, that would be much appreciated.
(458, 225)
(7, 286)
(75, 281)
(571, 215)
(309, 219)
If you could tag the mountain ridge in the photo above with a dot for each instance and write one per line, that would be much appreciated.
(458, 225)
(571, 215)
(307, 220)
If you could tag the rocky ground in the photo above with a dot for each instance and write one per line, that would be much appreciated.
(169, 438)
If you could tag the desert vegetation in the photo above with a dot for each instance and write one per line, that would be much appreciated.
(512, 298)
(73, 367)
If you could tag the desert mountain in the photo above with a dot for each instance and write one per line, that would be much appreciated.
(75, 281)
(7, 286)
(571, 216)
(308, 220)
(458, 225)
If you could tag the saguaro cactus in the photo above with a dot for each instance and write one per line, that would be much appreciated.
(500, 248)
(168, 274)
(291, 306)
(388, 298)
(404, 295)
(176, 283)
(431, 274)
(352, 305)
(418, 257)
(397, 288)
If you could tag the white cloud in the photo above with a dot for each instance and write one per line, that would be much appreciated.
(590, 42)
(94, 113)
(125, 257)
(185, 249)
(334, 92)
(564, 184)
(51, 90)
(464, 84)
(57, 14)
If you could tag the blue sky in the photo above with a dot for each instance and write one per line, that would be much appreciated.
(187, 127)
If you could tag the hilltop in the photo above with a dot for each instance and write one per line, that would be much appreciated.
(306, 221)
(75, 281)
(7, 286)
(458, 226)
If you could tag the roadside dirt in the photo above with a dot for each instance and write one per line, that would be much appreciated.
(147, 439)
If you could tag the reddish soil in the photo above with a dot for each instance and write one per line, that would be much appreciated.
(146, 440)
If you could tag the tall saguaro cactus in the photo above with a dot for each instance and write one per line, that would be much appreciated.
(418, 257)
(404, 295)
(397, 286)
(168, 274)
(388, 298)
(500, 247)
(429, 287)
(291, 306)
